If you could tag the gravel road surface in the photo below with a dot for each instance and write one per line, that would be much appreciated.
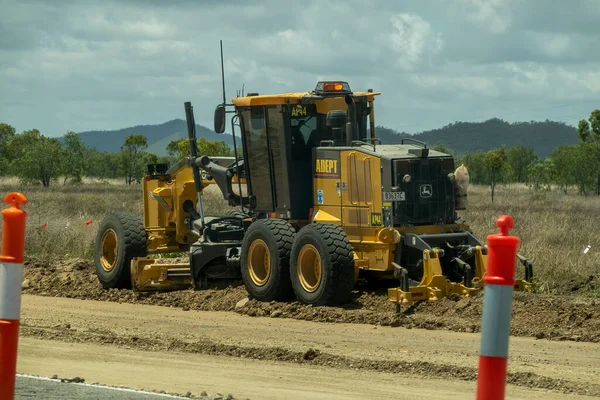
(28, 387)
(155, 348)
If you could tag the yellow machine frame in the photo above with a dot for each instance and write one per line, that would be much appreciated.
(348, 192)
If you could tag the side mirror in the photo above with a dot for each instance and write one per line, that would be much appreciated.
(220, 119)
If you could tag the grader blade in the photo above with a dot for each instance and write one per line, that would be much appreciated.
(148, 275)
(434, 285)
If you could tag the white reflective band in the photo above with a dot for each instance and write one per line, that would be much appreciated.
(11, 281)
(495, 324)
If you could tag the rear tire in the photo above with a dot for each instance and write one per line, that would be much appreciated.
(120, 238)
(322, 265)
(265, 259)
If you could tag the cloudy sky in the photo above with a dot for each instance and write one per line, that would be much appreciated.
(83, 65)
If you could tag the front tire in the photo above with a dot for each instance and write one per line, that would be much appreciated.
(322, 265)
(265, 259)
(120, 238)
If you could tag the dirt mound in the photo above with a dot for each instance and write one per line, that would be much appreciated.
(540, 316)
(310, 356)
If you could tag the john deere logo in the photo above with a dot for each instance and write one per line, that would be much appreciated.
(426, 191)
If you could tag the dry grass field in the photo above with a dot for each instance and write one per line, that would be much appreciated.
(58, 222)
(554, 228)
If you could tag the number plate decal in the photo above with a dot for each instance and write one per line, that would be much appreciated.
(394, 196)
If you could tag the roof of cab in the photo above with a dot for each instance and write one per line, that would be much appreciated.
(283, 98)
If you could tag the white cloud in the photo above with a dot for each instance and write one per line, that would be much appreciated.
(413, 40)
(553, 45)
(491, 15)
(80, 65)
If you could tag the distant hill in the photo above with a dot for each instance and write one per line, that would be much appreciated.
(464, 137)
(158, 136)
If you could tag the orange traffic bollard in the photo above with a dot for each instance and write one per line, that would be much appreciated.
(11, 280)
(497, 306)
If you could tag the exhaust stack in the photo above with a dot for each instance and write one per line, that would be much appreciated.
(351, 124)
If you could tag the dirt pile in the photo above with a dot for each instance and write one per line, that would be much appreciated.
(540, 316)
(310, 356)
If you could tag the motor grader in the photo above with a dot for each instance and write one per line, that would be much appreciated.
(324, 204)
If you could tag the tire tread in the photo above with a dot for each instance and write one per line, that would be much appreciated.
(134, 240)
(341, 256)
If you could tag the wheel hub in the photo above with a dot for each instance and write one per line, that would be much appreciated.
(309, 268)
(259, 260)
(108, 245)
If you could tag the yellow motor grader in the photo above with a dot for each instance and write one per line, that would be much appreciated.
(325, 205)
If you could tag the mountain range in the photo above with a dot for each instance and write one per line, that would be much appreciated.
(158, 136)
(461, 137)
(467, 137)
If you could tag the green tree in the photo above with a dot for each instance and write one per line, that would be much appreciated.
(214, 148)
(74, 165)
(173, 148)
(564, 159)
(131, 157)
(37, 158)
(443, 149)
(519, 159)
(16, 148)
(103, 165)
(7, 133)
(540, 174)
(494, 162)
(589, 132)
(475, 163)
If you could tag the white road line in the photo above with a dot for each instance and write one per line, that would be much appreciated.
(44, 378)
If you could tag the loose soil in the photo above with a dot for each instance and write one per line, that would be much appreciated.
(161, 333)
(534, 315)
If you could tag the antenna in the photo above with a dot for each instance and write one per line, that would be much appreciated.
(222, 72)
(243, 89)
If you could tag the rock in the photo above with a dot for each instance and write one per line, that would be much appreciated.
(276, 313)
(229, 397)
(26, 284)
(241, 304)
(188, 394)
(260, 313)
(311, 354)
(203, 394)
(540, 335)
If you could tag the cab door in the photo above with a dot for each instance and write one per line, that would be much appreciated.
(258, 160)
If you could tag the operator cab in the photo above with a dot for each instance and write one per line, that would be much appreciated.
(279, 133)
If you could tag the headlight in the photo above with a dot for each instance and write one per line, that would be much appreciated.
(406, 178)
